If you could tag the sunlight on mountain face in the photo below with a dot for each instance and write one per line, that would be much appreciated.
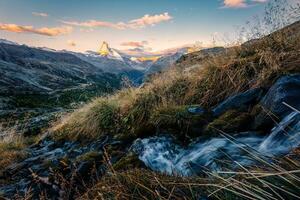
(104, 50)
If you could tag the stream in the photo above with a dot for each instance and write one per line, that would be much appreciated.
(163, 154)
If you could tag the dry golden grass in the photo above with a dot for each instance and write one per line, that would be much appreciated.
(12, 149)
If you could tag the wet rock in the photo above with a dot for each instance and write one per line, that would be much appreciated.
(196, 110)
(240, 101)
(285, 90)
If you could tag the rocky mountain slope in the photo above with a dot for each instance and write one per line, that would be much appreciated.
(35, 80)
(165, 62)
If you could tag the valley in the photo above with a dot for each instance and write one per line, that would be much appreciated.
(39, 84)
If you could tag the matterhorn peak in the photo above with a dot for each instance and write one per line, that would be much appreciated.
(104, 50)
(108, 52)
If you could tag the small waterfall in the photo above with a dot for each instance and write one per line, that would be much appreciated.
(165, 155)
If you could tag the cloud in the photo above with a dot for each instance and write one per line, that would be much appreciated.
(39, 14)
(71, 43)
(55, 31)
(241, 3)
(260, 1)
(235, 3)
(149, 20)
(146, 20)
(94, 24)
(135, 44)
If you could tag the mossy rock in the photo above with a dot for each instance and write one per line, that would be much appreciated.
(177, 120)
(232, 121)
(129, 162)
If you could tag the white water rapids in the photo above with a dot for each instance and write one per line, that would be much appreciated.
(164, 155)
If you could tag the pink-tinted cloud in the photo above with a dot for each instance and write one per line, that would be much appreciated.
(235, 3)
(55, 31)
(135, 44)
(146, 20)
(241, 3)
(40, 14)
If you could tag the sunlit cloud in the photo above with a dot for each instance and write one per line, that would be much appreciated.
(146, 20)
(241, 3)
(55, 31)
(235, 3)
(135, 44)
(40, 14)
(71, 43)
(151, 20)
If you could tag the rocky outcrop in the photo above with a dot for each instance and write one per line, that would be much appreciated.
(240, 101)
(286, 90)
(59, 169)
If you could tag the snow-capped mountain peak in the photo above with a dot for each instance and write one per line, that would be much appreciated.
(108, 52)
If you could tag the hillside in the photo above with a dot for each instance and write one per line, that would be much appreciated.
(37, 81)
(220, 123)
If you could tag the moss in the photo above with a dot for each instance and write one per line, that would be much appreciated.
(232, 121)
(129, 162)
(178, 121)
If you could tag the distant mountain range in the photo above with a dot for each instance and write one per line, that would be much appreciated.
(42, 80)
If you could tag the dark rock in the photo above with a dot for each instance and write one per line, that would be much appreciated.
(50, 165)
(240, 101)
(285, 90)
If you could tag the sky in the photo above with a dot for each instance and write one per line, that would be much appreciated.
(150, 25)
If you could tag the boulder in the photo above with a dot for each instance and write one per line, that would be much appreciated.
(239, 101)
(285, 90)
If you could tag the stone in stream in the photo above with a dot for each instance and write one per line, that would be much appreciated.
(196, 110)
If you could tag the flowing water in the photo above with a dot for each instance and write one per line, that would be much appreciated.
(165, 155)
